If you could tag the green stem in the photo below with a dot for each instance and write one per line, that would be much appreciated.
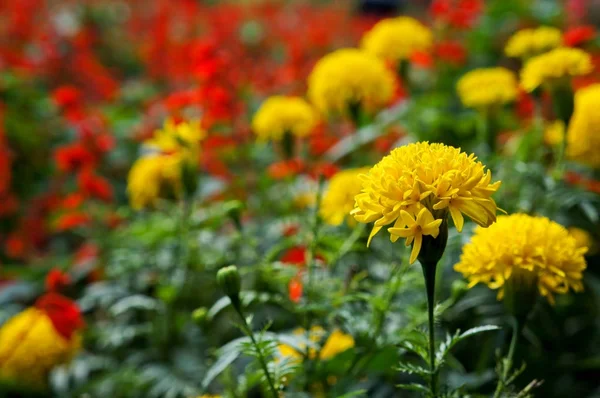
(429, 275)
(261, 358)
(509, 359)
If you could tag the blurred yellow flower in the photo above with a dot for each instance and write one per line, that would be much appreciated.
(535, 250)
(30, 346)
(183, 137)
(338, 200)
(487, 87)
(554, 133)
(153, 177)
(349, 78)
(417, 185)
(530, 42)
(583, 136)
(209, 396)
(583, 239)
(279, 115)
(554, 66)
(336, 343)
(395, 39)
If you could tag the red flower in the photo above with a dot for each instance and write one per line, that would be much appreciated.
(16, 245)
(64, 313)
(72, 201)
(285, 168)
(72, 220)
(452, 52)
(325, 169)
(421, 59)
(73, 157)
(295, 289)
(66, 96)
(460, 14)
(94, 186)
(579, 35)
(295, 256)
(56, 280)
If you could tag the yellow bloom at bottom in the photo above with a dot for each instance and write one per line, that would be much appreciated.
(30, 347)
(336, 343)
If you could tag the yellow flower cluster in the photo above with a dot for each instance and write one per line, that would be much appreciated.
(487, 87)
(415, 186)
(395, 39)
(533, 249)
(530, 42)
(554, 133)
(280, 114)
(338, 200)
(336, 343)
(159, 173)
(350, 78)
(551, 67)
(174, 137)
(30, 347)
(582, 238)
(583, 137)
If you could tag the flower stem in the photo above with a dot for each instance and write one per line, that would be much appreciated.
(429, 275)
(261, 358)
(509, 359)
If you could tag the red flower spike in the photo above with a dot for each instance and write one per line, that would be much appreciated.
(63, 312)
(295, 289)
(56, 280)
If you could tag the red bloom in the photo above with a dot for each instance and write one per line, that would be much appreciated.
(421, 59)
(285, 168)
(72, 220)
(16, 245)
(66, 96)
(295, 256)
(86, 253)
(452, 52)
(295, 289)
(325, 169)
(94, 186)
(460, 14)
(73, 157)
(579, 35)
(56, 280)
(64, 313)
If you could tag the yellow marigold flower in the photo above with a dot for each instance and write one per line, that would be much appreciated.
(174, 137)
(336, 343)
(583, 239)
(487, 87)
(532, 249)
(338, 200)
(349, 78)
(417, 185)
(554, 133)
(153, 177)
(279, 115)
(31, 345)
(395, 39)
(530, 42)
(583, 137)
(554, 66)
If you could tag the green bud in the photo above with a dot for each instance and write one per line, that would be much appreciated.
(229, 280)
(199, 315)
(167, 293)
(234, 209)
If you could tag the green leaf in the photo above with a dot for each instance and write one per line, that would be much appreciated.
(351, 394)
(219, 366)
(415, 387)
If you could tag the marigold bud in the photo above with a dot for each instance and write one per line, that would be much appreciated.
(229, 280)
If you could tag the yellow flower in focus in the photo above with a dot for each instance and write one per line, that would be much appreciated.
(395, 39)
(435, 177)
(487, 87)
(350, 78)
(279, 115)
(583, 239)
(338, 200)
(336, 343)
(30, 347)
(530, 42)
(154, 177)
(583, 136)
(529, 248)
(554, 133)
(555, 66)
(181, 137)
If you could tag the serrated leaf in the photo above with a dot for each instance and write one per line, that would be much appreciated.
(410, 368)
(477, 330)
(414, 387)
